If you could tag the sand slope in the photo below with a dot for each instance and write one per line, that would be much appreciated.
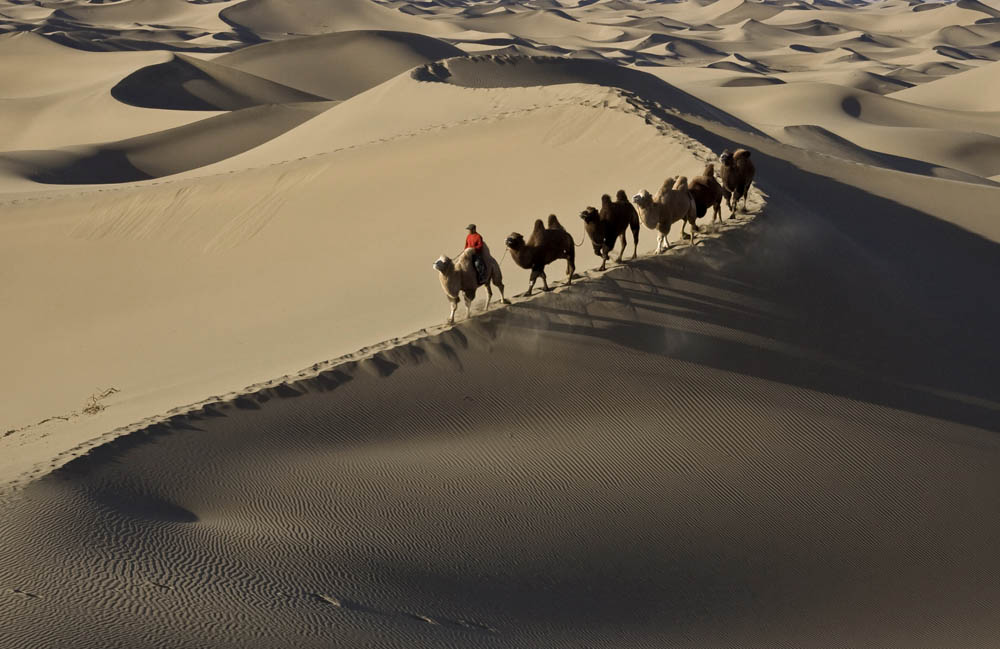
(280, 17)
(164, 153)
(972, 90)
(228, 226)
(186, 83)
(723, 446)
(962, 141)
(339, 65)
(232, 417)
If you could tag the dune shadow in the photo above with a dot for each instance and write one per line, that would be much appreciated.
(103, 166)
(866, 298)
(185, 83)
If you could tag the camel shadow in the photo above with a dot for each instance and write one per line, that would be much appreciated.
(764, 301)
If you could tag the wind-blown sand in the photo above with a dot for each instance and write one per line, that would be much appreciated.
(231, 416)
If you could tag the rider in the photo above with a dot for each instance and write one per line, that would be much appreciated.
(475, 241)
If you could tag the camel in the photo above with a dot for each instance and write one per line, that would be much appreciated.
(737, 175)
(671, 204)
(544, 246)
(614, 220)
(707, 192)
(458, 278)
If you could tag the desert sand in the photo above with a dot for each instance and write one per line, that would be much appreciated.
(233, 416)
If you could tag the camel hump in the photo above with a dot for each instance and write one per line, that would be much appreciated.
(605, 199)
(554, 223)
(741, 154)
(681, 182)
(621, 196)
(537, 233)
(709, 170)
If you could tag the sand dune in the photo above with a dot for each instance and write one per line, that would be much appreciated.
(130, 12)
(68, 102)
(232, 416)
(185, 83)
(795, 424)
(962, 141)
(338, 65)
(59, 67)
(227, 225)
(746, 11)
(968, 35)
(862, 80)
(540, 25)
(309, 17)
(815, 28)
(165, 153)
(742, 64)
(971, 90)
(496, 72)
(817, 138)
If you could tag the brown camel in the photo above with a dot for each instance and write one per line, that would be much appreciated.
(544, 246)
(614, 220)
(737, 175)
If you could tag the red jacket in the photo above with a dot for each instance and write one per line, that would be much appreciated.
(474, 241)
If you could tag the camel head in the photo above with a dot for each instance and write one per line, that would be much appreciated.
(590, 215)
(515, 241)
(444, 264)
(643, 199)
(726, 158)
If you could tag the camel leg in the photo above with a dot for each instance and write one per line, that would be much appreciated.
(624, 245)
(531, 282)
(489, 297)
(570, 269)
(454, 307)
(545, 281)
(499, 285)
(468, 304)
(604, 258)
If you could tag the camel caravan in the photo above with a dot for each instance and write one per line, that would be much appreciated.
(678, 199)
